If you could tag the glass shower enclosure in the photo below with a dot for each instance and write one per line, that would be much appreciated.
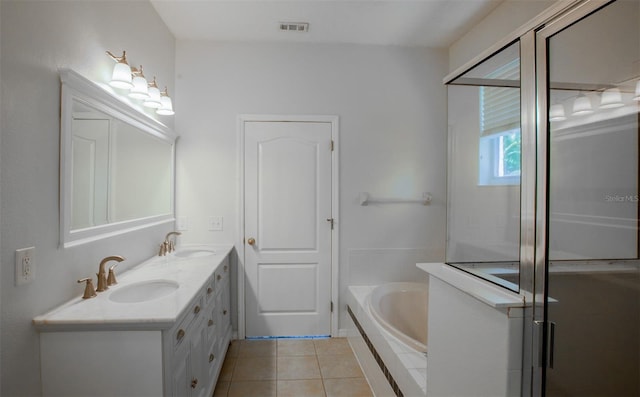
(544, 192)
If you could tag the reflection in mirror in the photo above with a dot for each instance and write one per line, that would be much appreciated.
(483, 211)
(117, 165)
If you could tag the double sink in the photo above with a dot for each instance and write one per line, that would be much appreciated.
(150, 295)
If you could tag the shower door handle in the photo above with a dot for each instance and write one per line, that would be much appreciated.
(550, 345)
(552, 342)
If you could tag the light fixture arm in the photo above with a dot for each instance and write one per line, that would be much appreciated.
(137, 71)
(122, 59)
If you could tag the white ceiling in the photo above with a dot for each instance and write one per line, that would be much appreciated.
(424, 23)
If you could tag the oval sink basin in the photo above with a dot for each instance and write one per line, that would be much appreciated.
(144, 291)
(194, 253)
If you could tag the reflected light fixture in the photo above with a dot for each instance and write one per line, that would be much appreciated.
(582, 106)
(611, 98)
(154, 96)
(121, 76)
(140, 89)
(556, 112)
(166, 107)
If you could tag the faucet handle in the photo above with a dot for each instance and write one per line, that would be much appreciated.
(89, 291)
(163, 249)
(111, 279)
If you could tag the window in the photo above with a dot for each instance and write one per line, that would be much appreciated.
(499, 148)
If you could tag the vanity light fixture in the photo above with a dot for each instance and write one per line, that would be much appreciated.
(154, 96)
(582, 106)
(121, 76)
(166, 108)
(140, 89)
(556, 112)
(611, 98)
(132, 79)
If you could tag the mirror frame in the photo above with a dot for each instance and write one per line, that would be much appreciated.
(75, 87)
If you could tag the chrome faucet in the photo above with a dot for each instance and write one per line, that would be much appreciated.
(169, 245)
(102, 273)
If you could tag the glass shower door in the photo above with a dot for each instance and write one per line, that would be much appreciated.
(591, 249)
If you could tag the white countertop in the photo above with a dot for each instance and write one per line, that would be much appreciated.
(484, 291)
(100, 313)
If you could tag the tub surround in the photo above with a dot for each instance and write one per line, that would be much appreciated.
(475, 335)
(115, 344)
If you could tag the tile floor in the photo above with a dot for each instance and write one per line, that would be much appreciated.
(291, 367)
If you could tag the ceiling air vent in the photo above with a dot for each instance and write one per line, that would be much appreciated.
(294, 26)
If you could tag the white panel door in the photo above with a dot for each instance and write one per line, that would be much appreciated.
(287, 228)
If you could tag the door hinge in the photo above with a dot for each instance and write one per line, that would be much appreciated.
(331, 306)
(332, 145)
(331, 220)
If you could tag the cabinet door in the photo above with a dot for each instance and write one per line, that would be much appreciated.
(225, 323)
(199, 360)
(180, 372)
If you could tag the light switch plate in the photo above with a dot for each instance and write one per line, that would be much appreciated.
(215, 223)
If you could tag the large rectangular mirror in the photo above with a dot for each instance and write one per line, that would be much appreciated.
(116, 164)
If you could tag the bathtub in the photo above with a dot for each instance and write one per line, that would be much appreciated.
(388, 332)
(401, 309)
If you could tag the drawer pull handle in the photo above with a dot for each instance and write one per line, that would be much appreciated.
(211, 357)
(196, 309)
(194, 383)
(210, 323)
(180, 334)
(224, 312)
(219, 277)
(225, 268)
(209, 291)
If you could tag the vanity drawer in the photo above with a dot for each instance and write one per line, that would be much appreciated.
(184, 328)
(221, 273)
(210, 291)
(211, 322)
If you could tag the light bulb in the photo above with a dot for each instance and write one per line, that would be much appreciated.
(154, 96)
(167, 107)
(556, 112)
(121, 77)
(611, 98)
(140, 89)
(582, 106)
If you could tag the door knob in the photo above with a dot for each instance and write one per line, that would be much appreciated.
(251, 241)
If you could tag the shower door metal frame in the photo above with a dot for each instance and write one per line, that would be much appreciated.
(537, 336)
(534, 179)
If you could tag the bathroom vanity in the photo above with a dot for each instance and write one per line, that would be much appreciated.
(163, 330)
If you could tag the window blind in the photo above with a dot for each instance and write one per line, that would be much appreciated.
(500, 106)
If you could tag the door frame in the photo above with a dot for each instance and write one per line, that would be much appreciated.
(335, 213)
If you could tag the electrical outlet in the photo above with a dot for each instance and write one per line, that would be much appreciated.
(25, 265)
(215, 223)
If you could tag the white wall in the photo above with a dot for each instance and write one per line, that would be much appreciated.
(392, 109)
(37, 38)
